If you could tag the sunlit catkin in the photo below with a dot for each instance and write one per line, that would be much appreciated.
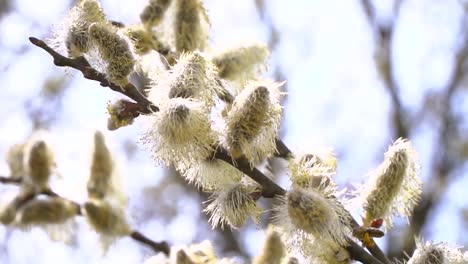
(180, 132)
(102, 165)
(253, 121)
(311, 170)
(191, 77)
(210, 175)
(241, 62)
(39, 162)
(233, 205)
(153, 13)
(114, 50)
(53, 210)
(437, 253)
(394, 188)
(316, 212)
(73, 34)
(273, 249)
(106, 219)
(15, 161)
(191, 25)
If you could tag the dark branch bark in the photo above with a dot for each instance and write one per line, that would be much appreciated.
(83, 66)
(9, 180)
(156, 246)
(358, 253)
(383, 36)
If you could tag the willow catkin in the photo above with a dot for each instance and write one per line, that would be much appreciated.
(153, 13)
(114, 50)
(233, 205)
(53, 210)
(102, 166)
(180, 132)
(273, 249)
(39, 162)
(252, 122)
(395, 187)
(191, 25)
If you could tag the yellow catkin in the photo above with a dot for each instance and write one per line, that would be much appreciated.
(273, 250)
(39, 164)
(102, 165)
(153, 13)
(49, 211)
(191, 25)
(114, 50)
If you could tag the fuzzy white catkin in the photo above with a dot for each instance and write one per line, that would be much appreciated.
(210, 175)
(253, 121)
(233, 205)
(48, 211)
(72, 35)
(309, 170)
(180, 132)
(273, 249)
(15, 160)
(395, 187)
(39, 162)
(437, 253)
(102, 166)
(191, 25)
(318, 214)
(107, 220)
(153, 13)
(114, 50)
(193, 76)
(241, 62)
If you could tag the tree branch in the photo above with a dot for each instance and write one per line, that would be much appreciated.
(90, 73)
(9, 180)
(269, 188)
(156, 246)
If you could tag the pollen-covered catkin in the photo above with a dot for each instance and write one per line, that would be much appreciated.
(191, 25)
(74, 31)
(106, 219)
(118, 116)
(233, 205)
(39, 160)
(394, 188)
(241, 62)
(437, 253)
(102, 165)
(191, 77)
(317, 213)
(153, 13)
(114, 50)
(273, 249)
(15, 160)
(253, 121)
(180, 132)
(53, 210)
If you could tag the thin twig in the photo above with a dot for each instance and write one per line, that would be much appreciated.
(10, 180)
(90, 73)
(156, 246)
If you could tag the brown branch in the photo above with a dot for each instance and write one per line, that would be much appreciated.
(84, 67)
(383, 35)
(358, 253)
(9, 180)
(445, 158)
(156, 246)
(269, 188)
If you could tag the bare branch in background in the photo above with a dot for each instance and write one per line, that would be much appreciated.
(383, 36)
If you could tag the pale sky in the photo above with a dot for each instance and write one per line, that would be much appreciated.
(335, 100)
